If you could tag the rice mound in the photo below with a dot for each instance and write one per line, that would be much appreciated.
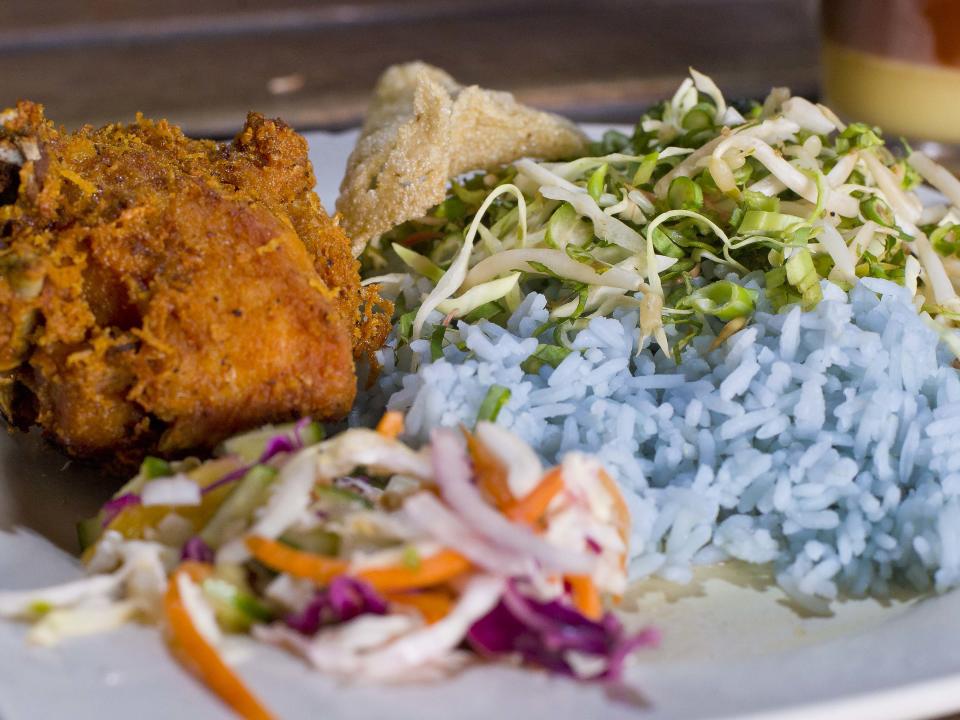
(821, 442)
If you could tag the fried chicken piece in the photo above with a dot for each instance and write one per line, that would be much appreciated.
(158, 293)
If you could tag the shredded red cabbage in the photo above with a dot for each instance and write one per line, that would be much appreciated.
(196, 549)
(542, 633)
(344, 599)
(281, 443)
(114, 506)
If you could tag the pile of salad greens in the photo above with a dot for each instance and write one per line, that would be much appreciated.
(668, 220)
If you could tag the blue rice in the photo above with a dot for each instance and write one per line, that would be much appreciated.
(821, 442)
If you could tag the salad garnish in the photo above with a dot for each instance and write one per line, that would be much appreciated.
(364, 556)
(669, 219)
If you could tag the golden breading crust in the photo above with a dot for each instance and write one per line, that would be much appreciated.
(422, 130)
(158, 293)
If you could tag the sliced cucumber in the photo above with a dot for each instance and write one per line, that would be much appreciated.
(89, 531)
(339, 495)
(235, 609)
(237, 509)
(312, 433)
(316, 541)
(249, 447)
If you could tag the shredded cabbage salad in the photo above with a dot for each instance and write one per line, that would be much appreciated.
(361, 555)
(665, 220)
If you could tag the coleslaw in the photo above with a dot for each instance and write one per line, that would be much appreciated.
(360, 554)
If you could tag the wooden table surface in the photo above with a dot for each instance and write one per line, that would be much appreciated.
(204, 63)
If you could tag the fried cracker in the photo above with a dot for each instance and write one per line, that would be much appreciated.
(423, 129)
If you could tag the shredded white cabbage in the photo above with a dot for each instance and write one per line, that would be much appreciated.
(453, 278)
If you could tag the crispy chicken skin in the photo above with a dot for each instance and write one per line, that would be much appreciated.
(158, 293)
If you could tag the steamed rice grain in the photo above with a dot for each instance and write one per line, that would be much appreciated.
(820, 441)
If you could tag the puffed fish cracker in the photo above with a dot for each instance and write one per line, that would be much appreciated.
(423, 129)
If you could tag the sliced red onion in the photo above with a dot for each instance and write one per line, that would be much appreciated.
(543, 633)
(196, 549)
(452, 471)
(114, 506)
(344, 599)
(431, 516)
(278, 444)
(299, 427)
(281, 443)
(226, 479)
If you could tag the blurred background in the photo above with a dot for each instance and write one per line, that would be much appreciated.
(204, 63)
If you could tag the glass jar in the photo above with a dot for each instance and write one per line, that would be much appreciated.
(896, 64)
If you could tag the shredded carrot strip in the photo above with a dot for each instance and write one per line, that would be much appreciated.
(391, 424)
(295, 562)
(530, 508)
(490, 473)
(433, 606)
(585, 596)
(197, 571)
(433, 570)
(193, 652)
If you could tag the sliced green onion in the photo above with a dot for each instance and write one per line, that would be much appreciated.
(596, 182)
(802, 274)
(946, 240)
(405, 325)
(453, 208)
(154, 467)
(497, 396)
(699, 117)
(684, 194)
(613, 141)
(468, 197)
(722, 299)
(758, 201)
(764, 221)
(436, 342)
(742, 175)
(566, 227)
(645, 170)
(551, 355)
(873, 208)
(419, 263)
(665, 245)
(484, 312)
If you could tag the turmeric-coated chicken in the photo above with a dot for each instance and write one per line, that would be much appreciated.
(158, 293)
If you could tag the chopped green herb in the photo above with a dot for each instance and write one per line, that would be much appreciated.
(497, 396)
